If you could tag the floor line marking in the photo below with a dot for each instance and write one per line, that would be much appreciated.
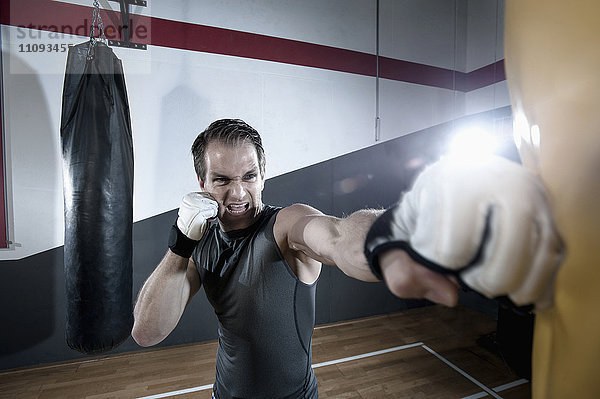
(370, 354)
(179, 392)
(499, 388)
(477, 395)
(511, 385)
(473, 380)
(381, 352)
(352, 321)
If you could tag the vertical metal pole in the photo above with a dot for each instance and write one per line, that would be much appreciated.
(454, 116)
(377, 120)
(4, 237)
(125, 20)
(495, 130)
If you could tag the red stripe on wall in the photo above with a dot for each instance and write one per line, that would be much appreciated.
(412, 72)
(208, 39)
(68, 18)
(482, 77)
(47, 15)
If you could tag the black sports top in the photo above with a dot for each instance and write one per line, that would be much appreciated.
(266, 314)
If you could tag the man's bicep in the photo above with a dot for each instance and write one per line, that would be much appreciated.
(312, 232)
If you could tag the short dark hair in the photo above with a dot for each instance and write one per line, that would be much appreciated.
(227, 131)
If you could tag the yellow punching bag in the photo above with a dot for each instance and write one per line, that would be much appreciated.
(552, 56)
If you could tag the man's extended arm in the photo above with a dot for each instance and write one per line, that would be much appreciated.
(486, 225)
(340, 242)
(333, 241)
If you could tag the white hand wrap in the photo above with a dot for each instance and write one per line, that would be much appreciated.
(488, 223)
(192, 222)
(194, 211)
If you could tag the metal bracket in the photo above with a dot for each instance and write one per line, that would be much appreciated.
(127, 25)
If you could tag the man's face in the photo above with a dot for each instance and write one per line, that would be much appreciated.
(233, 179)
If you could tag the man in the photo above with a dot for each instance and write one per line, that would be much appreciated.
(259, 264)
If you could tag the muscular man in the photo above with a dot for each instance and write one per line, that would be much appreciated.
(259, 264)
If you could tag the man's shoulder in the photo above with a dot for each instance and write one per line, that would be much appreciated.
(294, 212)
(290, 216)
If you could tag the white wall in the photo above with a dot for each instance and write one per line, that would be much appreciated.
(429, 32)
(485, 46)
(305, 115)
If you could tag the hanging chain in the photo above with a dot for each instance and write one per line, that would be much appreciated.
(96, 21)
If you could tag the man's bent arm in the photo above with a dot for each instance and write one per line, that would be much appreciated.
(163, 298)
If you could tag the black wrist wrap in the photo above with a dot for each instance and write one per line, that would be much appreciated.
(180, 244)
(379, 239)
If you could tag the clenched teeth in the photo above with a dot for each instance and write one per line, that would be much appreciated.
(237, 208)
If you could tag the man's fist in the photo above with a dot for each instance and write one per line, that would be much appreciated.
(488, 224)
(194, 212)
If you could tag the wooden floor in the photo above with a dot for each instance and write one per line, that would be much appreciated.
(432, 353)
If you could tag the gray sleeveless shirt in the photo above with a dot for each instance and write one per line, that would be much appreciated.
(266, 315)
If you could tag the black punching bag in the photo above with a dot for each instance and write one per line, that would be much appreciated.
(98, 192)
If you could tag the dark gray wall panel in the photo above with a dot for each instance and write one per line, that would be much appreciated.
(32, 311)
